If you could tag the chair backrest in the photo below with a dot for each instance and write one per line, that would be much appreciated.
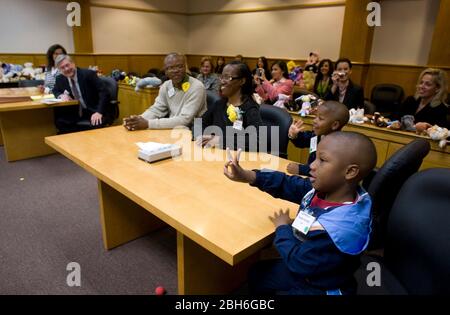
(387, 97)
(276, 118)
(30, 83)
(387, 182)
(112, 87)
(418, 238)
(211, 98)
(369, 108)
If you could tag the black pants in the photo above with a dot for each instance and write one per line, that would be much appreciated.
(67, 119)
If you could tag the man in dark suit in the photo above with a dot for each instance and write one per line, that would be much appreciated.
(83, 85)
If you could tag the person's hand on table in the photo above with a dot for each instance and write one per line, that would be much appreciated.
(96, 119)
(292, 168)
(280, 218)
(65, 97)
(41, 88)
(208, 141)
(135, 122)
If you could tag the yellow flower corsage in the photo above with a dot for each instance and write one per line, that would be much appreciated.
(234, 113)
(185, 86)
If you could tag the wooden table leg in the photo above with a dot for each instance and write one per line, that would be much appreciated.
(201, 272)
(122, 219)
(24, 131)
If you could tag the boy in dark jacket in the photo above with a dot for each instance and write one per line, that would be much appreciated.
(320, 249)
(331, 116)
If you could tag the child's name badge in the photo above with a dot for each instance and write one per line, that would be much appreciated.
(313, 145)
(303, 222)
(171, 92)
(238, 124)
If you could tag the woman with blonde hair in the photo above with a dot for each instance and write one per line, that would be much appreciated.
(428, 104)
(209, 79)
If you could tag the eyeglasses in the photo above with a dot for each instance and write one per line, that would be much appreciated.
(228, 78)
(175, 68)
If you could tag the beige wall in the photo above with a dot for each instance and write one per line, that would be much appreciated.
(196, 6)
(277, 34)
(33, 26)
(406, 32)
(164, 5)
(125, 31)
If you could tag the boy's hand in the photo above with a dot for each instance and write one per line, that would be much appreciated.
(295, 128)
(281, 218)
(235, 171)
(292, 168)
(135, 122)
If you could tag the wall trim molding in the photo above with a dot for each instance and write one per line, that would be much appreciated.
(236, 11)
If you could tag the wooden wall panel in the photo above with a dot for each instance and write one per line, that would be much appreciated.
(84, 61)
(82, 35)
(107, 63)
(142, 63)
(440, 45)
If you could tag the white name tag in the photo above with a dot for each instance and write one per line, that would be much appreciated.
(313, 145)
(303, 222)
(171, 92)
(238, 124)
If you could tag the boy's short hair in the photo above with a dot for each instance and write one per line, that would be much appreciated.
(359, 149)
(338, 111)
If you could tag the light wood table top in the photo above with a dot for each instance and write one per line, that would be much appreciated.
(229, 219)
(18, 94)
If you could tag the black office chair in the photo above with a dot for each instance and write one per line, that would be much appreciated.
(211, 98)
(112, 112)
(30, 83)
(386, 183)
(369, 107)
(387, 98)
(274, 117)
(417, 253)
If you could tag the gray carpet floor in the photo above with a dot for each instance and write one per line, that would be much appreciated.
(49, 217)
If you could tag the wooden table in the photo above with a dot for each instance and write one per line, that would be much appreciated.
(25, 124)
(221, 225)
(386, 141)
(134, 103)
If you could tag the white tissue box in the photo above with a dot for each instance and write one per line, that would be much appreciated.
(153, 151)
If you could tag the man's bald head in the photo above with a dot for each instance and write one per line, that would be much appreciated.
(175, 56)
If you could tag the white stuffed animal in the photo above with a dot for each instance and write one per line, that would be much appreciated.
(147, 82)
(282, 99)
(28, 71)
(307, 101)
(439, 134)
(357, 116)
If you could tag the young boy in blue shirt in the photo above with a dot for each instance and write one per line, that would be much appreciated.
(320, 249)
(331, 116)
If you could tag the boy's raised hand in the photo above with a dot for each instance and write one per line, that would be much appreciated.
(295, 128)
(280, 218)
(235, 172)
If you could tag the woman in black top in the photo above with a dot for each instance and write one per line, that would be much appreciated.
(262, 67)
(323, 82)
(234, 120)
(343, 89)
(428, 104)
(220, 64)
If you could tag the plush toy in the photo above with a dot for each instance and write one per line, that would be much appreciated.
(308, 79)
(439, 134)
(357, 116)
(307, 102)
(282, 99)
(28, 71)
(407, 123)
(11, 72)
(147, 82)
(379, 120)
(394, 125)
(118, 75)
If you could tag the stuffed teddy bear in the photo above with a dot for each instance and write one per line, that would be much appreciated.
(11, 72)
(439, 134)
(308, 79)
(147, 82)
(379, 120)
(357, 116)
(28, 71)
(407, 123)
